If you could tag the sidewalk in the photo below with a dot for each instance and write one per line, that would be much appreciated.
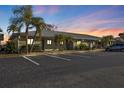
(49, 52)
(64, 52)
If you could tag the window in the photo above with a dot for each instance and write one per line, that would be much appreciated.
(30, 41)
(49, 42)
(78, 42)
(61, 43)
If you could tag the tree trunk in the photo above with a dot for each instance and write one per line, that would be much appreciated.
(40, 37)
(27, 39)
(18, 44)
(34, 39)
(58, 46)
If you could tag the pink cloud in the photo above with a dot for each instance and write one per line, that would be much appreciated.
(87, 18)
(89, 26)
(99, 32)
(102, 12)
(86, 24)
(53, 10)
(105, 21)
(39, 10)
(104, 32)
(50, 10)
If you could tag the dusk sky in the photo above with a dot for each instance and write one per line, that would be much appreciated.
(93, 20)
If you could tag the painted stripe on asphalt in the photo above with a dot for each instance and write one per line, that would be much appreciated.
(34, 62)
(66, 59)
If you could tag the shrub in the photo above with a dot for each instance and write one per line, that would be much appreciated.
(35, 48)
(83, 47)
(23, 48)
(10, 47)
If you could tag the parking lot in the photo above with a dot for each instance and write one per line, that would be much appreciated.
(91, 69)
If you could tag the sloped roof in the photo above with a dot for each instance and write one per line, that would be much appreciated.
(73, 35)
(53, 33)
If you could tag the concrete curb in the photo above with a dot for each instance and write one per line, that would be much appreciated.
(64, 52)
(49, 52)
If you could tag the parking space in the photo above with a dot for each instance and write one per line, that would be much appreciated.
(49, 70)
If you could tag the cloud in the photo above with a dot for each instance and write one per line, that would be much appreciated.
(92, 28)
(50, 10)
(94, 23)
(39, 10)
(101, 12)
(99, 32)
(104, 32)
(89, 16)
(88, 24)
(53, 10)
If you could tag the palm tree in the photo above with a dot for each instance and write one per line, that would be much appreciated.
(68, 38)
(69, 41)
(107, 40)
(37, 22)
(40, 25)
(121, 35)
(23, 16)
(58, 39)
(14, 29)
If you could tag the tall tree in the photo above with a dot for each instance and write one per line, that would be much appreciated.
(37, 22)
(58, 39)
(40, 25)
(121, 35)
(23, 16)
(12, 28)
(69, 41)
(107, 40)
(15, 29)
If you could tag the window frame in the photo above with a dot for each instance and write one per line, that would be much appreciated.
(49, 42)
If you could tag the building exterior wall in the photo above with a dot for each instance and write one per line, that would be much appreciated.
(52, 45)
(77, 43)
(48, 44)
(22, 43)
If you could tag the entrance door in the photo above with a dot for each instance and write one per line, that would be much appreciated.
(69, 45)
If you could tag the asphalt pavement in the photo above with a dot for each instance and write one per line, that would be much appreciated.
(60, 70)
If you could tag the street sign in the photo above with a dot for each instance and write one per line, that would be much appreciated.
(1, 37)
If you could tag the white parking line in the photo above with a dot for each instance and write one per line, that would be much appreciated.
(31, 60)
(66, 59)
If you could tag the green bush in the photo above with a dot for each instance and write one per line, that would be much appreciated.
(83, 47)
(23, 48)
(11, 47)
(35, 48)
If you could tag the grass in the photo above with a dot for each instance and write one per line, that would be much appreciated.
(8, 55)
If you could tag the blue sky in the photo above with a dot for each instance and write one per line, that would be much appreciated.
(92, 19)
